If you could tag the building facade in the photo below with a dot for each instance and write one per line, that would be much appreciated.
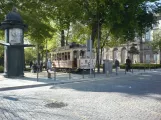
(148, 54)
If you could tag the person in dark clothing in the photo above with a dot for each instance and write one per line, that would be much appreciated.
(128, 64)
(117, 64)
(41, 66)
(34, 68)
(31, 63)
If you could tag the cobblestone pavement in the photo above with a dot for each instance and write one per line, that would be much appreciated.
(124, 97)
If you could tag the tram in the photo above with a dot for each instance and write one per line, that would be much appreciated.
(74, 56)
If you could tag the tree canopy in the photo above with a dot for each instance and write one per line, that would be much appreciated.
(123, 18)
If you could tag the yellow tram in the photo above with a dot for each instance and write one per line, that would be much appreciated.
(73, 56)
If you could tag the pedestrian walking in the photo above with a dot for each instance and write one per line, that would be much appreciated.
(128, 64)
(117, 64)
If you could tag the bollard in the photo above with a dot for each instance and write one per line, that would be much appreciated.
(37, 75)
(125, 69)
(144, 69)
(69, 73)
(107, 73)
(116, 70)
(49, 74)
(94, 72)
(83, 73)
(55, 74)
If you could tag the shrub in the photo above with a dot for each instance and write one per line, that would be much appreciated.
(1, 69)
(27, 69)
(142, 66)
(139, 66)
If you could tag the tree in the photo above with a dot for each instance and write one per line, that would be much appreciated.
(123, 18)
(133, 51)
(156, 43)
(30, 55)
(65, 12)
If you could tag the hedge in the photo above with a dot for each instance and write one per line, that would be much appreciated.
(142, 66)
(27, 69)
(139, 66)
(1, 69)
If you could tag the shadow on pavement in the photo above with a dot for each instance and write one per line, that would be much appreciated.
(25, 87)
(136, 85)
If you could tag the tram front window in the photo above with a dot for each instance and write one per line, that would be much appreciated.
(82, 54)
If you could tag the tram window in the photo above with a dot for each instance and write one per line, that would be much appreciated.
(55, 57)
(52, 56)
(68, 55)
(75, 54)
(82, 54)
(59, 56)
(63, 56)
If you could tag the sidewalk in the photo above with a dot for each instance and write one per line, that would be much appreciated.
(30, 79)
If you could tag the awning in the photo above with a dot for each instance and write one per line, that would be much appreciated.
(16, 45)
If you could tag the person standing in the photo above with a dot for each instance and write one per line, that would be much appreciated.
(49, 66)
(31, 63)
(117, 64)
(128, 64)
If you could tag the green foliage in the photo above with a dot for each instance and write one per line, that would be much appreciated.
(79, 33)
(1, 50)
(27, 69)
(1, 69)
(156, 43)
(30, 55)
(133, 50)
(122, 19)
(142, 66)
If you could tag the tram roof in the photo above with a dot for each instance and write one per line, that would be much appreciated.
(70, 47)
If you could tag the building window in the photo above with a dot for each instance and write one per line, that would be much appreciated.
(155, 58)
(147, 58)
(155, 26)
(147, 36)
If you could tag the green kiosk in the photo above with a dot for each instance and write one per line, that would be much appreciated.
(14, 28)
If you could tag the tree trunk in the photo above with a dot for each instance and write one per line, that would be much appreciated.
(141, 50)
(62, 38)
(42, 55)
(101, 56)
(38, 55)
(93, 36)
(46, 56)
(94, 31)
(98, 48)
(67, 37)
(160, 56)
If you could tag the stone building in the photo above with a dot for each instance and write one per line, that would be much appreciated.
(121, 52)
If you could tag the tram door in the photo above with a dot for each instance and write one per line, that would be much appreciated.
(75, 54)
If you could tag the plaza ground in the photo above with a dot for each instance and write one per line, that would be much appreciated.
(134, 96)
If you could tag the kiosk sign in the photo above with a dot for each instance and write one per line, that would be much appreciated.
(15, 36)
